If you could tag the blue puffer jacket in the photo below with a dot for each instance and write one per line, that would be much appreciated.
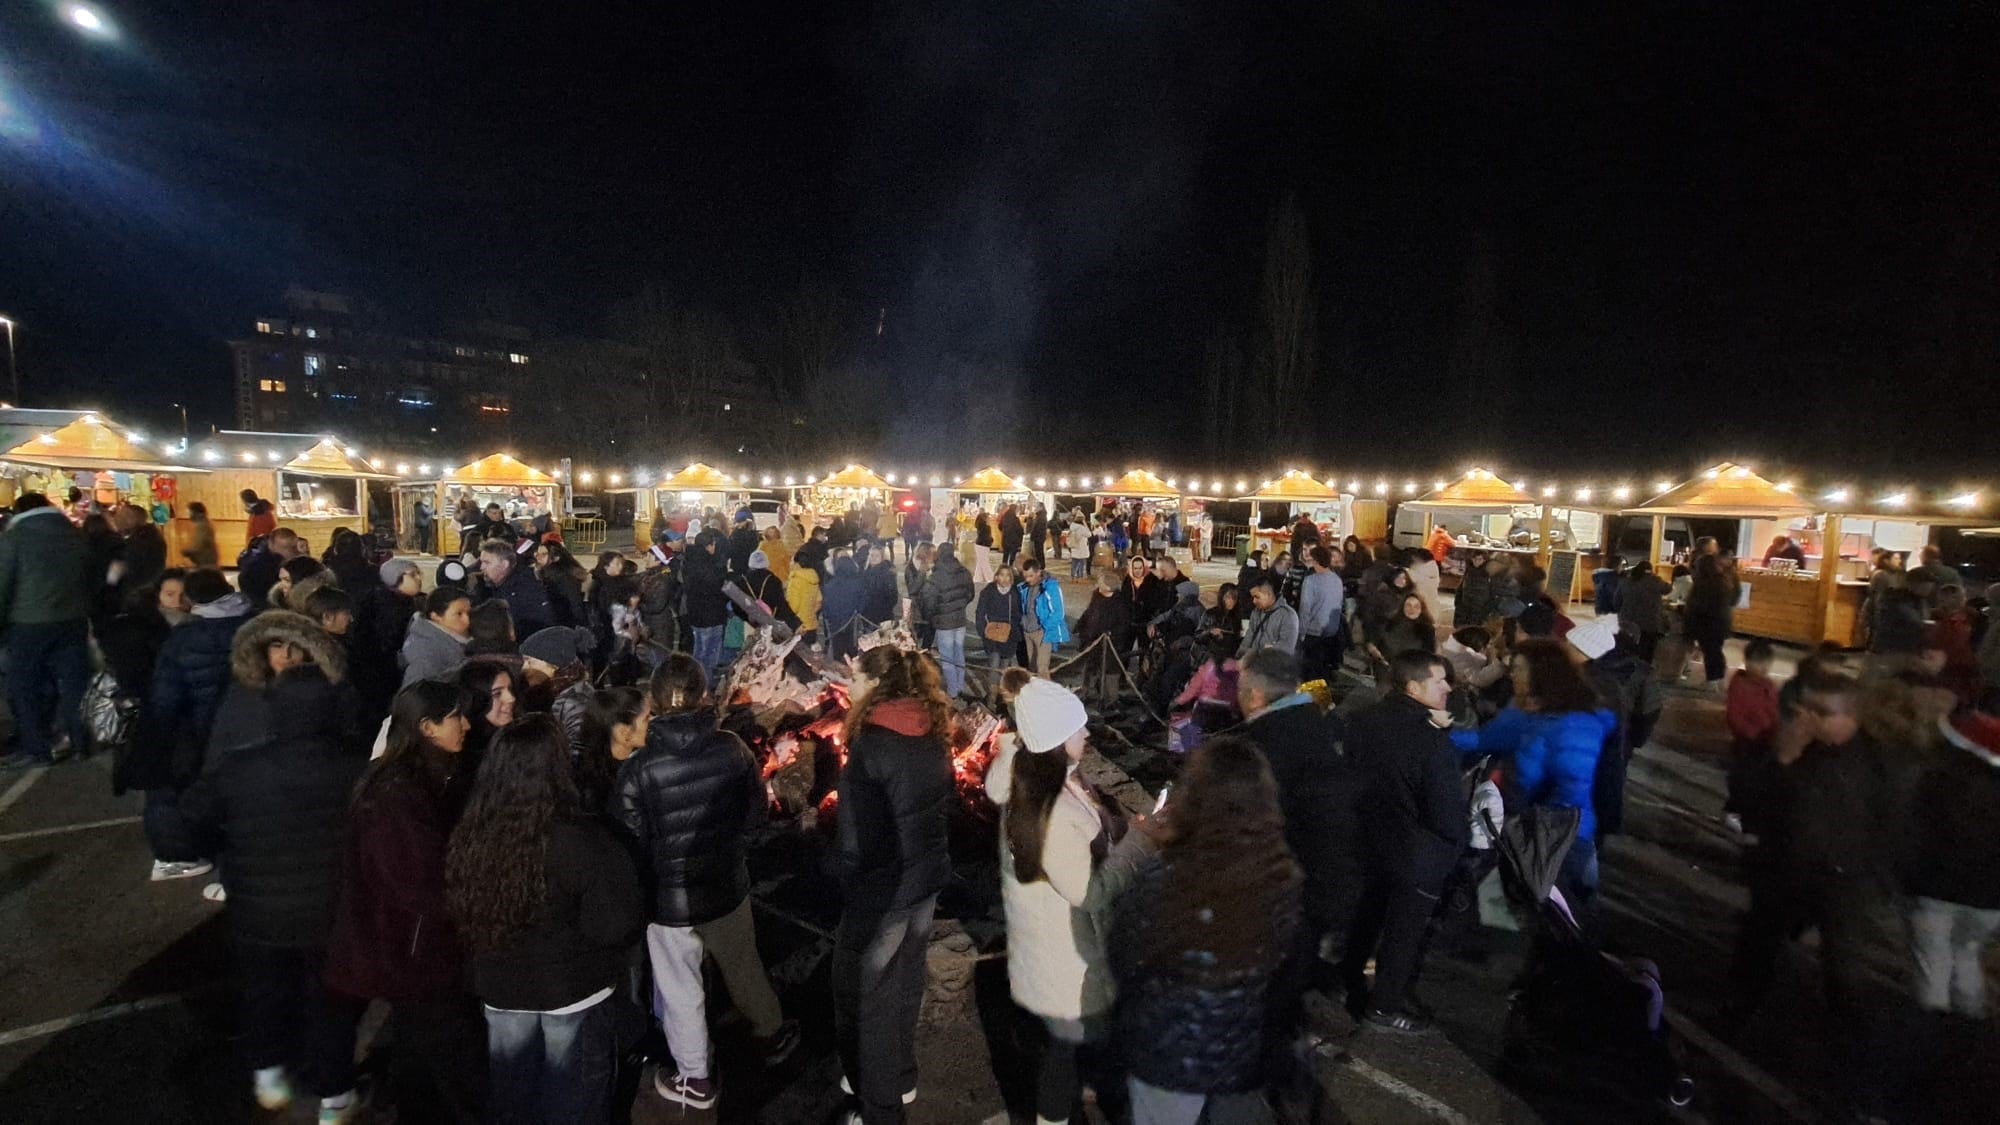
(188, 684)
(1555, 755)
(1046, 605)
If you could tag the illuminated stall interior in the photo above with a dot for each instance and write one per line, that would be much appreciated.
(316, 483)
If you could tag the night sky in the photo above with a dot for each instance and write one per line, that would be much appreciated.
(1632, 235)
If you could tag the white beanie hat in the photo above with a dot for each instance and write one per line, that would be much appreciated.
(1595, 638)
(1046, 714)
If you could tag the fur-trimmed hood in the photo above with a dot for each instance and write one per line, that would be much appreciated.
(301, 590)
(246, 658)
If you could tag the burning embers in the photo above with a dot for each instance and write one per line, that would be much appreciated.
(792, 710)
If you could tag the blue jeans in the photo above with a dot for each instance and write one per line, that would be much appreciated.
(48, 666)
(708, 649)
(951, 655)
(1079, 566)
(545, 1068)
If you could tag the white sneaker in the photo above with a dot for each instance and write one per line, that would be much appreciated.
(186, 869)
(273, 1089)
(1733, 822)
(846, 1087)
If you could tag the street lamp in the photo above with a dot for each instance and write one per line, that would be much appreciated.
(88, 19)
(13, 372)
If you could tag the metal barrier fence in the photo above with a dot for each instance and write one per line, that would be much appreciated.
(1224, 542)
(584, 535)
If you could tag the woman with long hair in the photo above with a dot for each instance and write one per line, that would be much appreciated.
(1552, 734)
(687, 801)
(1198, 941)
(1411, 630)
(982, 548)
(492, 630)
(614, 728)
(392, 937)
(491, 690)
(894, 858)
(1051, 828)
(547, 902)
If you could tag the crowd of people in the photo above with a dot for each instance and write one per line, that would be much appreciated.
(502, 802)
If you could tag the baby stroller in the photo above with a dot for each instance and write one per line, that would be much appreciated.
(1575, 1003)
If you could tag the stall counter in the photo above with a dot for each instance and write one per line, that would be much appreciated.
(1786, 607)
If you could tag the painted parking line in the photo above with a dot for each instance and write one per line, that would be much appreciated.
(10, 837)
(1407, 1092)
(98, 1015)
(20, 786)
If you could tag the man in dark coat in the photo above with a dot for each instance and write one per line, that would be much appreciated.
(1415, 824)
(45, 602)
(492, 526)
(189, 679)
(503, 576)
(946, 595)
(260, 571)
(812, 553)
(707, 608)
(743, 542)
(1316, 788)
(843, 596)
(1011, 533)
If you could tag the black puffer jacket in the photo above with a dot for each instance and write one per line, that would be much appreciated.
(289, 756)
(1319, 791)
(895, 791)
(188, 682)
(701, 582)
(1186, 1020)
(689, 800)
(947, 593)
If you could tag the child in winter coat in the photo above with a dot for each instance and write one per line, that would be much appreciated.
(1752, 713)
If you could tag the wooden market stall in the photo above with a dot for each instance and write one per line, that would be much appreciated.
(1802, 605)
(316, 483)
(700, 486)
(832, 495)
(1329, 509)
(522, 491)
(1486, 514)
(1153, 494)
(52, 451)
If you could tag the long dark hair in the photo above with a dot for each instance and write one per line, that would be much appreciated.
(596, 769)
(678, 685)
(1227, 866)
(1037, 781)
(495, 878)
(426, 701)
(475, 685)
(900, 675)
(1554, 682)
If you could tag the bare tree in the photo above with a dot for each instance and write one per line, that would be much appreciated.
(687, 357)
(1287, 328)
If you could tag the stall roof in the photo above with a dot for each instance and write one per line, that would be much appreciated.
(1478, 488)
(77, 439)
(317, 454)
(1726, 491)
(856, 476)
(701, 477)
(991, 481)
(1294, 487)
(1139, 484)
(499, 470)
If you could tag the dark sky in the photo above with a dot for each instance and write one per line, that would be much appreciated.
(1632, 235)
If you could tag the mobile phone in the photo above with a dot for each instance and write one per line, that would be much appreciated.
(1162, 802)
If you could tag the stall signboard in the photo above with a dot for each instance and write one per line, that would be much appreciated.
(1562, 576)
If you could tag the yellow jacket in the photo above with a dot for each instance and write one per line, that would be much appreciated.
(780, 557)
(802, 592)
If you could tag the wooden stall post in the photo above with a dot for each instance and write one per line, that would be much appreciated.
(1546, 550)
(1829, 575)
(1659, 535)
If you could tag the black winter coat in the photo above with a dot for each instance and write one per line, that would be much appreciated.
(743, 542)
(1955, 855)
(701, 586)
(188, 683)
(1473, 603)
(1001, 607)
(879, 595)
(288, 757)
(1107, 615)
(1413, 804)
(895, 794)
(1187, 1022)
(565, 593)
(1011, 534)
(527, 600)
(1318, 790)
(258, 574)
(947, 593)
(688, 801)
(591, 914)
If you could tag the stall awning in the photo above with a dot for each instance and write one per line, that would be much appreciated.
(856, 476)
(499, 470)
(1139, 484)
(328, 458)
(1479, 488)
(700, 477)
(1726, 491)
(991, 482)
(1295, 487)
(315, 454)
(77, 439)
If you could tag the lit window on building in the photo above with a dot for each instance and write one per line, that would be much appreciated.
(264, 326)
(465, 352)
(516, 357)
(312, 333)
(275, 386)
(314, 363)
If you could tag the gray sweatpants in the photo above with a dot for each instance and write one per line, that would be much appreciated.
(679, 1001)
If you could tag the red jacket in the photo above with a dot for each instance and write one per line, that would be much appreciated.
(392, 935)
(1752, 709)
